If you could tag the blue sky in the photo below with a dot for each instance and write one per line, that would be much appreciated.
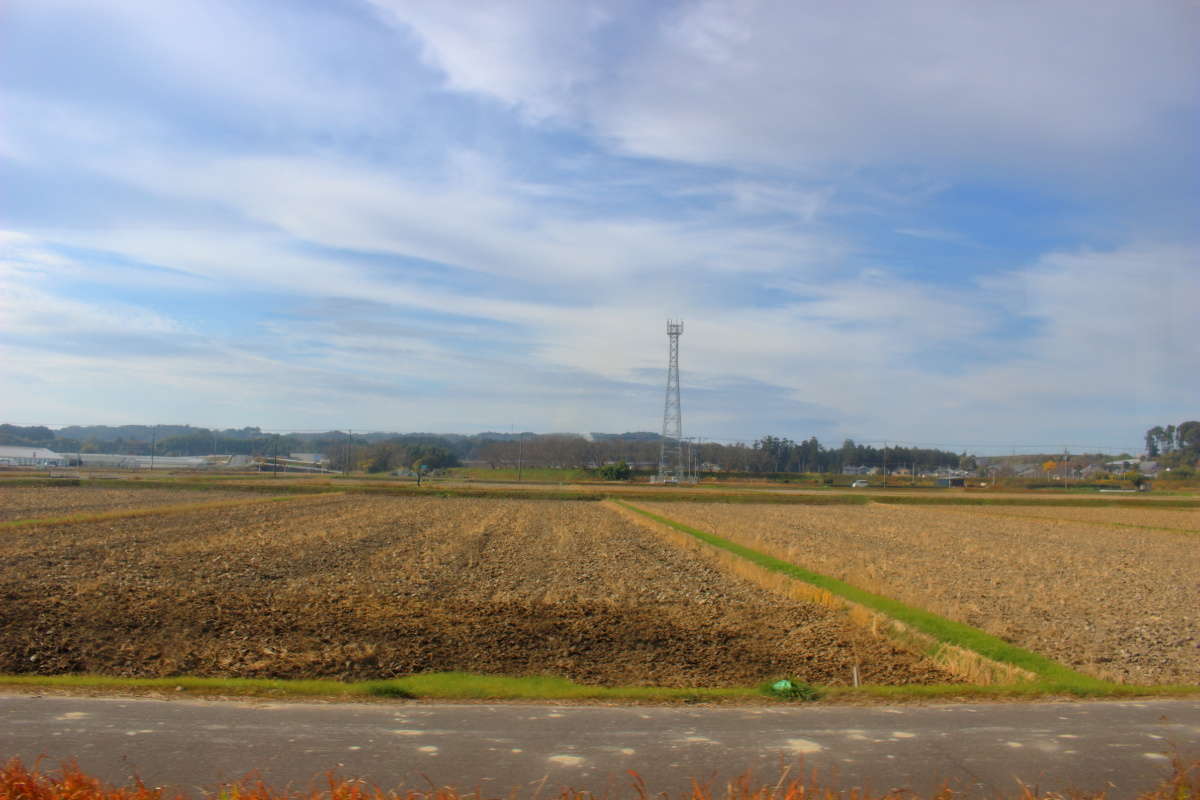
(973, 226)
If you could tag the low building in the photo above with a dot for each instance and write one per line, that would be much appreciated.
(308, 458)
(17, 456)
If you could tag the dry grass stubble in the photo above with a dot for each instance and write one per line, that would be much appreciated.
(20, 502)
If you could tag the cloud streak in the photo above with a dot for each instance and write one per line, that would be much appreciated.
(930, 223)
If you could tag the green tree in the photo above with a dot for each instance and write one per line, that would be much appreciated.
(1187, 436)
(1153, 437)
(616, 472)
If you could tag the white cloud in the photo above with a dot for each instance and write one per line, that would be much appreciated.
(236, 57)
(536, 54)
(802, 85)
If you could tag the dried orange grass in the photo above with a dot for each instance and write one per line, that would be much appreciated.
(17, 782)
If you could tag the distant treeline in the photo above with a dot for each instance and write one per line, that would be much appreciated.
(379, 452)
(770, 454)
(186, 440)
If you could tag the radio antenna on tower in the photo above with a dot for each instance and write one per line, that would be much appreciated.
(671, 467)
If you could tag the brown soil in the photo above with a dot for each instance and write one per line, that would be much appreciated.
(55, 501)
(374, 587)
(1119, 603)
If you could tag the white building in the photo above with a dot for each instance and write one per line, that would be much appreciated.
(18, 456)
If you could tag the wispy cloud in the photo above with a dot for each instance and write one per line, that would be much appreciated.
(928, 222)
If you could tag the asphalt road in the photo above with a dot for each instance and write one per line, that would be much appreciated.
(984, 750)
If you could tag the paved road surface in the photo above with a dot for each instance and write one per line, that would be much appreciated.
(982, 749)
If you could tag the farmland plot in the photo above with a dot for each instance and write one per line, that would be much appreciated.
(1183, 519)
(1119, 603)
(376, 587)
(20, 502)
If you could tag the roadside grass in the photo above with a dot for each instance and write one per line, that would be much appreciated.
(466, 685)
(84, 517)
(459, 686)
(1051, 676)
(426, 686)
(248, 687)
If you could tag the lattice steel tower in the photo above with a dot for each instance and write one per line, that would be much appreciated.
(671, 467)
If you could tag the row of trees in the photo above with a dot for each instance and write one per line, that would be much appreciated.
(769, 454)
(396, 454)
(379, 452)
(1175, 445)
(342, 447)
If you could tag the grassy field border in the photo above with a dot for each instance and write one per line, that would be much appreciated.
(1052, 677)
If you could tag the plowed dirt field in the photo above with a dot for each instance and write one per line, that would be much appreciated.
(56, 501)
(372, 587)
(1120, 603)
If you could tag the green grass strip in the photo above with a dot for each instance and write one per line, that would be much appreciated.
(1053, 675)
(1027, 690)
(432, 686)
(469, 686)
(465, 685)
(133, 513)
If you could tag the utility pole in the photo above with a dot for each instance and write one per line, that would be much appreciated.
(349, 451)
(521, 454)
(153, 445)
(275, 474)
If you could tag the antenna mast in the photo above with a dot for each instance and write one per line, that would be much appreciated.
(671, 468)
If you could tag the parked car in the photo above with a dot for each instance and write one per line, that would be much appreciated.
(859, 484)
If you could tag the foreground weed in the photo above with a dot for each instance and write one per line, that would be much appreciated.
(18, 782)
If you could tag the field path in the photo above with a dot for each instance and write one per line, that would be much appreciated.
(980, 749)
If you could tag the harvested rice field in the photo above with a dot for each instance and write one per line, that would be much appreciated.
(19, 502)
(357, 587)
(1182, 519)
(1119, 603)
